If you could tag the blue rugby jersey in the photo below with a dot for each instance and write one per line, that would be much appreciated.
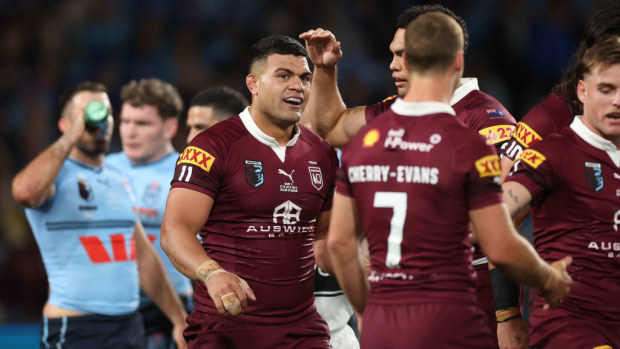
(85, 235)
(151, 184)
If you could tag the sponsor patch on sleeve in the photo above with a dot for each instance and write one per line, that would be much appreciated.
(198, 157)
(488, 166)
(497, 133)
(532, 157)
(525, 135)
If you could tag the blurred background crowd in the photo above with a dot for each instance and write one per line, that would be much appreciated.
(517, 49)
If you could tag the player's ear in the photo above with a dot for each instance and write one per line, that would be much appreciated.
(63, 124)
(581, 90)
(171, 125)
(459, 61)
(251, 81)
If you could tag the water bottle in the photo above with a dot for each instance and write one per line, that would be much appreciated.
(96, 115)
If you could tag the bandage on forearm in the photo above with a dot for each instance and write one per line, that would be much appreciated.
(504, 315)
(207, 269)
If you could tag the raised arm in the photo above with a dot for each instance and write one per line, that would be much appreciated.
(178, 239)
(343, 245)
(325, 110)
(34, 184)
(515, 257)
(156, 284)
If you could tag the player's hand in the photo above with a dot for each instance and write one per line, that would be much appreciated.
(558, 283)
(78, 122)
(177, 335)
(229, 292)
(513, 334)
(322, 46)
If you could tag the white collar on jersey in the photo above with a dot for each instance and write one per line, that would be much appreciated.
(467, 85)
(595, 140)
(262, 137)
(420, 108)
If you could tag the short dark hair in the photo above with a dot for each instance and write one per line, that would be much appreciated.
(413, 12)
(275, 44)
(89, 86)
(158, 93)
(431, 42)
(223, 99)
(603, 23)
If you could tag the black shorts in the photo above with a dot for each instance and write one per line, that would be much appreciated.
(93, 332)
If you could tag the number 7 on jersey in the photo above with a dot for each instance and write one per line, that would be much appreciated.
(398, 202)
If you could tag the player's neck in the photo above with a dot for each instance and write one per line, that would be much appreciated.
(281, 131)
(92, 160)
(430, 88)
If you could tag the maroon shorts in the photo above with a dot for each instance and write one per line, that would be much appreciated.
(484, 293)
(425, 325)
(211, 331)
(561, 328)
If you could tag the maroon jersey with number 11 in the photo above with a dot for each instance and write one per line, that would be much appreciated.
(266, 201)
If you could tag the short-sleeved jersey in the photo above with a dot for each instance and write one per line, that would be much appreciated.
(415, 173)
(550, 116)
(151, 183)
(85, 235)
(477, 110)
(267, 199)
(574, 181)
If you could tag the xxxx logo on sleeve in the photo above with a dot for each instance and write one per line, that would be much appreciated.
(532, 157)
(198, 157)
(488, 166)
(525, 135)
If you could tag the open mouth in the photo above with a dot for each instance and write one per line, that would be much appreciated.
(295, 101)
(615, 116)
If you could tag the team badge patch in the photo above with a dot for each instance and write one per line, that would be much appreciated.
(316, 177)
(594, 176)
(525, 135)
(85, 189)
(488, 166)
(198, 157)
(151, 194)
(532, 157)
(495, 113)
(254, 175)
(371, 138)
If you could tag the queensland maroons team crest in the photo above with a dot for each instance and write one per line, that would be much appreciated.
(254, 174)
(594, 176)
(316, 177)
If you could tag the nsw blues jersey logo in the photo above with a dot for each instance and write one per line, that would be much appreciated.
(151, 194)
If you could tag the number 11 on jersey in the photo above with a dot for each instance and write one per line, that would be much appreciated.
(398, 202)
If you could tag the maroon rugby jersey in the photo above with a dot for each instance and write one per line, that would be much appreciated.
(267, 199)
(550, 116)
(474, 108)
(415, 173)
(575, 185)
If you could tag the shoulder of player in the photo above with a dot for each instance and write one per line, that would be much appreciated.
(478, 104)
(114, 158)
(550, 114)
(225, 133)
(308, 136)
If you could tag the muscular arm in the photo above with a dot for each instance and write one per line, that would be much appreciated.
(514, 256)
(178, 239)
(342, 242)
(326, 110)
(321, 253)
(156, 284)
(34, 185)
